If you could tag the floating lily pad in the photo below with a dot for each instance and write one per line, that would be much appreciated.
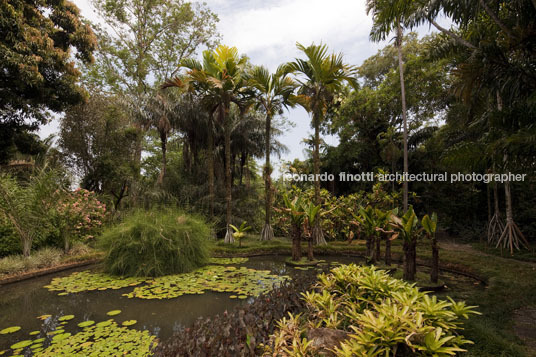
(55, 332)
(61, 337)
(9, 330)
(66, 318)
(33, 333)
(113, 312)
(225, 261)
(21, 344)
(106, 338)
(104, 323)
(129, 322)
(86, 323)
(89, 281)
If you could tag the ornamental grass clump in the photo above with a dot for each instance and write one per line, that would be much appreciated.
(155, 243)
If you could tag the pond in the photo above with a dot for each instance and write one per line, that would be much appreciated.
(139, 310)
(21, 304)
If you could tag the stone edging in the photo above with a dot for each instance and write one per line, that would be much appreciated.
(45, 271)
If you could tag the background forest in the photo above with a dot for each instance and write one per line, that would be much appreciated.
(155, 112)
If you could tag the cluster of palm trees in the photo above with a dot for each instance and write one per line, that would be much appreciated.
(226, 82)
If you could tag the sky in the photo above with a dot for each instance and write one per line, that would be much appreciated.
(267, 32)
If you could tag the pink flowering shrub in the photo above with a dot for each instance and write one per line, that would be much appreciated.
(79, 214)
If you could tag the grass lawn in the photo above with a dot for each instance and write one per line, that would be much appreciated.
(511, 286)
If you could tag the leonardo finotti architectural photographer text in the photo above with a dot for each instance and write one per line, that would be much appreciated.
(410, 177)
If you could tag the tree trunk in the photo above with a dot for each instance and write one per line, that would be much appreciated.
(210, 159)
(228, 188)
(267, 231)
(410, 263)
(404, 114)
(317, 234)
(310, 255)
(163, 144)
(369, 247)
(296, 243)
(387, 251)
(434, 275)
(378, 252)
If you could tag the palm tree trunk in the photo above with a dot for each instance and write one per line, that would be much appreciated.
(267, 231)
(210, 160)
(163, 144)
(317, 234)
(228, 184)
(404, 113)
(410, 260)
(296, 243)
(434, 274)
(387, 250)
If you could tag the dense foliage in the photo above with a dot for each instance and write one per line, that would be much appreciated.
(155, 243)
(384, 316)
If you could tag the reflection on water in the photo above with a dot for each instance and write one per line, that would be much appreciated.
(21, 304)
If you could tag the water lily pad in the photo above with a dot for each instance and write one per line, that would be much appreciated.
(33, 333)
(129, 322)
(66, 318)
(113, 312)
(104, 323)
(61, 337)
(10, 330)
(21, 344)
(86, 323)
(226, 261)
(106, 338)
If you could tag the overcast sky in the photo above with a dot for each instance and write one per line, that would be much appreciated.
(267, 31)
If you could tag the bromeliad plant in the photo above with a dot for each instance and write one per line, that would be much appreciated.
(240, 232)
(382, 316)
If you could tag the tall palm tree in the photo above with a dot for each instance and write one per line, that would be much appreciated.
(220, 80)
(272, 93)
(321, 76)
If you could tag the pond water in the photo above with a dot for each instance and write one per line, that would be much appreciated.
(22, 303)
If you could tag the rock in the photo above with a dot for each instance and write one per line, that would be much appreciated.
(326, 339)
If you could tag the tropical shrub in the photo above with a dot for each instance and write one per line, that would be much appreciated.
(22, 205)
(382, 316)
(336, 212)
(156, 242)
(77, 214)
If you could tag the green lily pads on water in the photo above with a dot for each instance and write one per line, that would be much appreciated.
(34, 333)
(21, 344)
(61, 337)
(66, 318)
(104, 323)
(113, 312)
(129, 322)
(225, 261)
(106, 338)
(10, 330)
(86, 323)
